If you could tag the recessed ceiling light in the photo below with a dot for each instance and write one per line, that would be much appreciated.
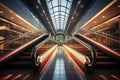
(41, 14)
(81, 6)
(95, 22)
(76, 14)
(11, 11)
(43, 11)
(79, 2)
(118, 6)
(11, 17)
(20, 22)
(49, 22)
(47, 18)
(38, 1)
(103, 16)
(36, 6)
(94, 27)
(72, 17)
(1, 12)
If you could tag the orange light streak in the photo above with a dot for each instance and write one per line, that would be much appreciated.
(17, 76)
(75, 64)
(103, 77)
(77, 55)
(6, 77)
(52, 56)
(25, 78)
(46, 54)
(115, 77)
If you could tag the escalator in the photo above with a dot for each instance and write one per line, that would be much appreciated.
(105, 61)
(20, 68)
(107, 65)
(61, 68)
(24, 60)
(106, 68)
(18, 64)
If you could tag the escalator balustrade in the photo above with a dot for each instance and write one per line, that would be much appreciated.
(107, 66)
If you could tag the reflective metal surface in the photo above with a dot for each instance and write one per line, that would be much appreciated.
(60, 68)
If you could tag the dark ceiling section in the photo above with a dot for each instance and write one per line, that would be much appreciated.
(96, 6)
(36, 6)
(74, 3)
(78, 10)
(20, 9)
(43, 2)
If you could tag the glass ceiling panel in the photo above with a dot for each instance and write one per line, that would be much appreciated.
(59, 11)
(63, 8)
(55, 2)
(55, 9)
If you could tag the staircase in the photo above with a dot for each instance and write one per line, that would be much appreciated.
(19, 68)
(24, 60)
(106, 68)
(105, 61)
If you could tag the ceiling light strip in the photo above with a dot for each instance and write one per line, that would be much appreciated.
(110, 4)
(107, 21)
(72, 16)
(14, 24)
(17, 15)
(46, 17)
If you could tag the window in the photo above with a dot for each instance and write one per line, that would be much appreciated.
(59, 11)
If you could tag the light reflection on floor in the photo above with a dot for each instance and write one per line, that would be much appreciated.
(60, 68)
(59, 71)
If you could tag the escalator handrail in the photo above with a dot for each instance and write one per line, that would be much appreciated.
(109, 51)
(18, 37)
(21, 48)
(92, 51)
(35, 49)
(103, 35)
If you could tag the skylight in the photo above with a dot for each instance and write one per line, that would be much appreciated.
(59, 11)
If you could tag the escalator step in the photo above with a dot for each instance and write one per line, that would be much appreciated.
(5, 77)
(21, 77)
(98, 50)
(16, 77)
(26, 77)
(23, 58)
(104, 58)
(28, 50)
(101, 54)
(26, 53)
(11, 77)
(21, 64)
(107, 65)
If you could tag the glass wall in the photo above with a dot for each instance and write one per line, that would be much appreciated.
(107, 33)
(13, 36)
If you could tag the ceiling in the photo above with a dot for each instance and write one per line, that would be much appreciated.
(40, 10)
(11, 17)
(109, 15)
(59, 12)
(59, 16)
